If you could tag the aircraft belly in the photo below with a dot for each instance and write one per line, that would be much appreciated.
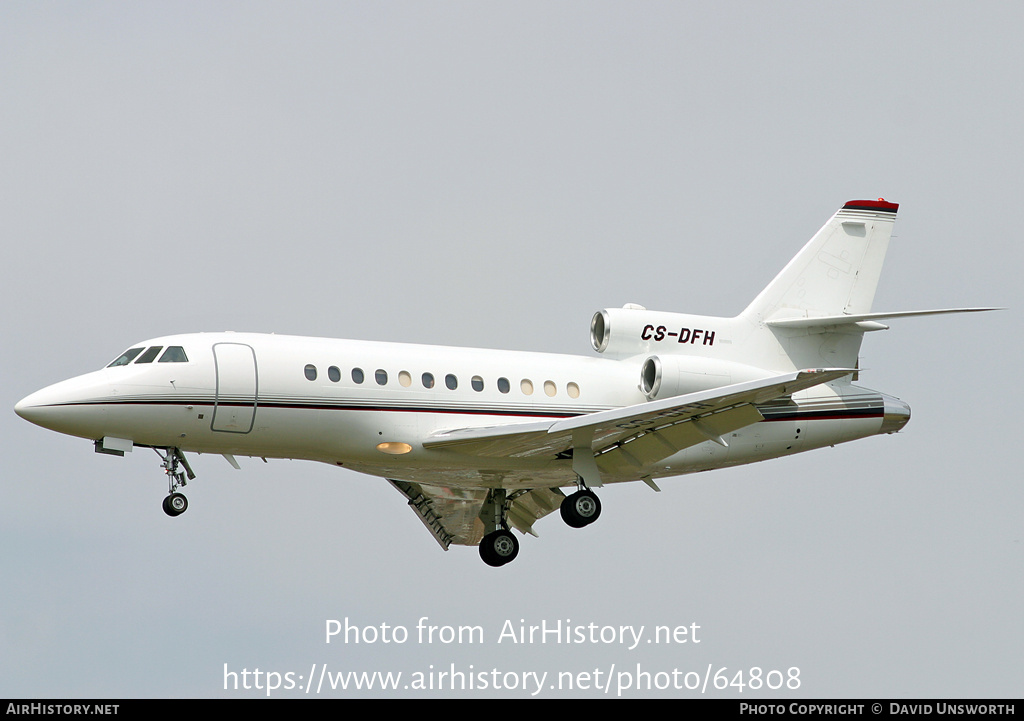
(474, 477)
(350, 439)
(298, 433)
(460, 470)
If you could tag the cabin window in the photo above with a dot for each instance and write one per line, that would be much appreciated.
(550, 388)
(526, 386)
(125, 358)
(381, 376)
(357, 375)
(503, 385)
(405, 379)
(150, 354)
(451, 381)
(334, 373)
(428, 380)
(310, 372)
(478, 383)
(174, 354)
(573, 390)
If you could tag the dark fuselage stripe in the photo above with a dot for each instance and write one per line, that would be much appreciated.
(824, 415)
(535, 413)
(770, 415)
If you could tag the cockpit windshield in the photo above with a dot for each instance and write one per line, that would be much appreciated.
(150, 355)
(125, 358)
(173, 354)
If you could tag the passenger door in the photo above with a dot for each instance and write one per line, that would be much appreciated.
(234, 409)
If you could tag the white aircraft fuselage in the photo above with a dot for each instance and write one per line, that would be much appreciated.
(481, 441)
(248, 394)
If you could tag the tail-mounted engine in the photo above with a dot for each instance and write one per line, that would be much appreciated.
(676, 375)
(632, 330)
(684, 353)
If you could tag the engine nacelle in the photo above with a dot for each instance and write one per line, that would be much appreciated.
(676, 375)
(634, 330)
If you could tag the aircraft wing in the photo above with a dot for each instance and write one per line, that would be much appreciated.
(633, 436)
(639, 434)
(452, 515)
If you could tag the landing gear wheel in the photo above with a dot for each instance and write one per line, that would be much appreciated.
(175, 504)
(499, 548)
(580, 509)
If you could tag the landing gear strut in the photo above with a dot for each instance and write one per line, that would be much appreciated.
(173, 461)
(499, 546)
(580, 508)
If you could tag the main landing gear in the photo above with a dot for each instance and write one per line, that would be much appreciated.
(580, 508)
(499, 546)
(173, 462)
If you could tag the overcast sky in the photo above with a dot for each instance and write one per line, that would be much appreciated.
(490, 174)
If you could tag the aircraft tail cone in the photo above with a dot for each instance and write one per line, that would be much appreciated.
(895, 416)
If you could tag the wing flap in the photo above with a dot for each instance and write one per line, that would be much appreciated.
(655, 445)
(532, 506)
(452, 515)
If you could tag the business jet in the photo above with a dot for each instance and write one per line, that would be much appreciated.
(480, 442)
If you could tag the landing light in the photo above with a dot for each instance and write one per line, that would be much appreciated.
(394, 448)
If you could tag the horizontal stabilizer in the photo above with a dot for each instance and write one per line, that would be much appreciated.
(836, 320)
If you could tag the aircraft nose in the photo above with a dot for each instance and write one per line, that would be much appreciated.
(895, 416)
(28, 409)
(54, 407)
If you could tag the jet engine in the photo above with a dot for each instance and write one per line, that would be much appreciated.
(680, 349)
(676, 375)
(632, 330)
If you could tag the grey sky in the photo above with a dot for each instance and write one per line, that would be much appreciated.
(491, 174)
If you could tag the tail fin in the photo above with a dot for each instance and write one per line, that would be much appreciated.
(818, 308)
(837, 272)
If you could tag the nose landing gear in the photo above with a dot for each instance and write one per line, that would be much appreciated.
(173, 462)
